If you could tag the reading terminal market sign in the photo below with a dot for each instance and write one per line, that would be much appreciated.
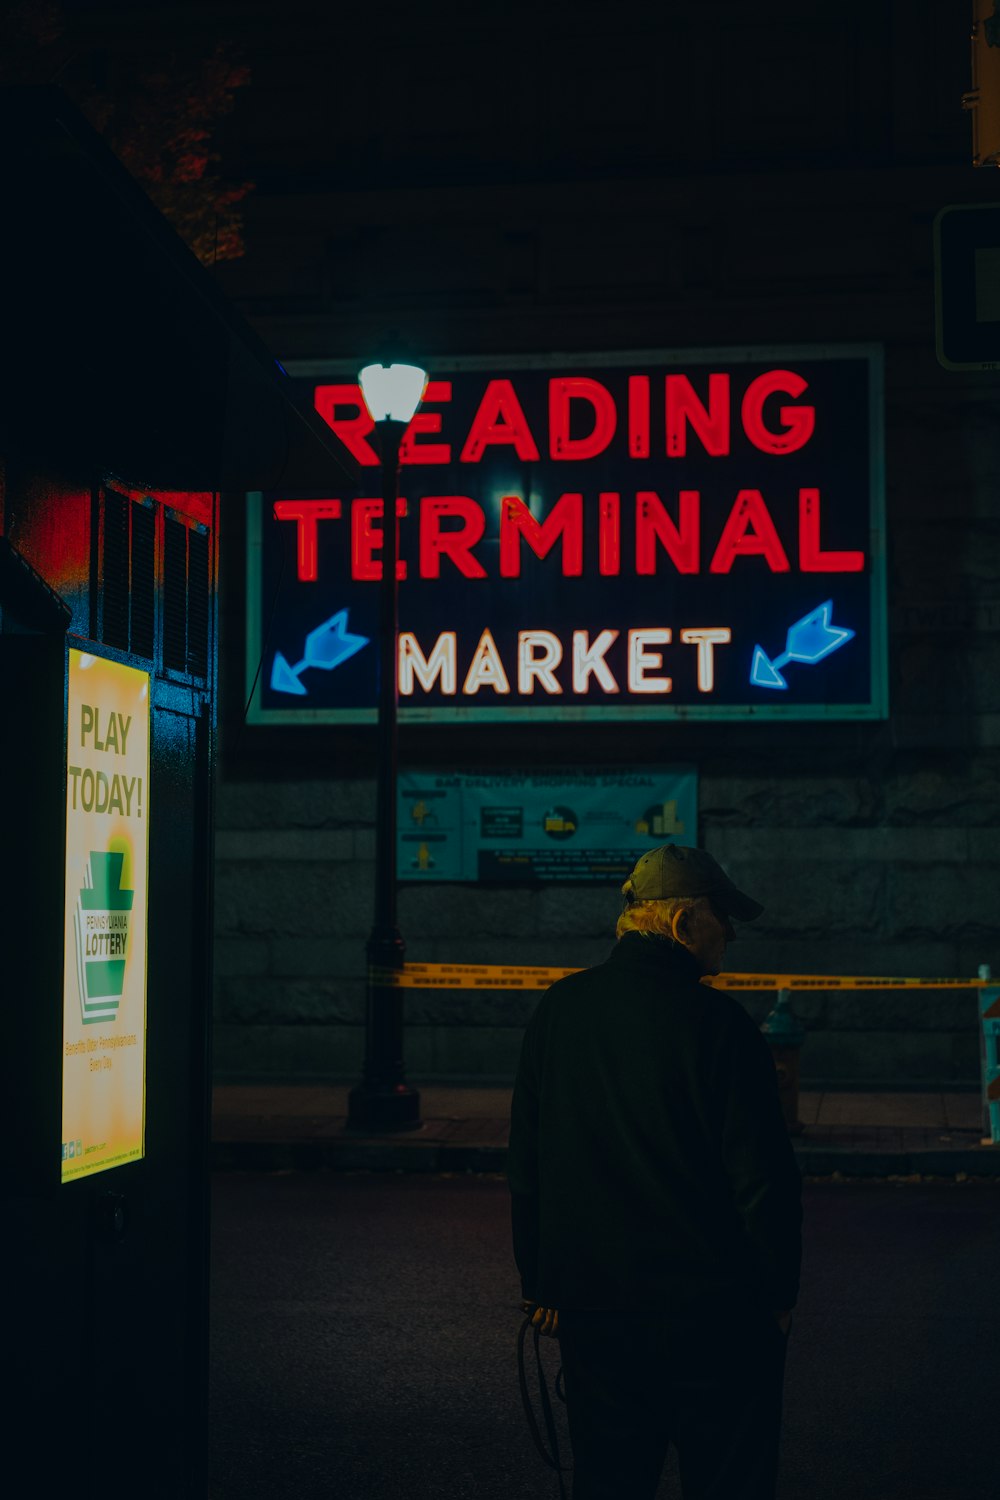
(621, 536)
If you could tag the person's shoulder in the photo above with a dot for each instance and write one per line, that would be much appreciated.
(561, 995)
(733, 1022)
(568, 984)
(726, 1001)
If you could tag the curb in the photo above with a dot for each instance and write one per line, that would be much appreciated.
(824, 1162)
(353, 1156)
(366, 1155)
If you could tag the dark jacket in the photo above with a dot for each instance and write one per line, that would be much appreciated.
(649, 1164)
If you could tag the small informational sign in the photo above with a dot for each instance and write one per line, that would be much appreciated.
(539, 826)
(967, 286)
(606, 536)
(104, 983)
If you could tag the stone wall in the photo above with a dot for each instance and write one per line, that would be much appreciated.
(858, 876)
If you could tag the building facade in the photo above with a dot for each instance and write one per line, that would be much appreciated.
(684, 183)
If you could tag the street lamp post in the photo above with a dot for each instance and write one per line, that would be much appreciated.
(383, 1100)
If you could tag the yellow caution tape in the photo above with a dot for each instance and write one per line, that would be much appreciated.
(838, 982)
(523, 977)
(469, 977)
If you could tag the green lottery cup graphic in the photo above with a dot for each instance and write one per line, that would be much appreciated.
(101, 923)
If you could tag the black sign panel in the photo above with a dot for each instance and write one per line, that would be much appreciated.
(967, 286)
(617, 535)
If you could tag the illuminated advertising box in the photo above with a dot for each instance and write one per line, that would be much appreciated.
(104, 983)
(619, 536)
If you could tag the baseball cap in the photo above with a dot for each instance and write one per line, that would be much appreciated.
(674, 870)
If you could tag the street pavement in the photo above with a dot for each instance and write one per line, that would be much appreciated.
(364, 1328)
(273, 1126)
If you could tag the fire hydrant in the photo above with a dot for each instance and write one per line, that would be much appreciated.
(785, 1034)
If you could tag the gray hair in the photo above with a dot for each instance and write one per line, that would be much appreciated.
(653, 916)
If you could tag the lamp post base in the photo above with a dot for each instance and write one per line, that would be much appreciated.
(392, 1107)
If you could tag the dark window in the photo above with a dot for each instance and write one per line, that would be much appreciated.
(128, 574)
(114, 571)
(198, 602)
(175, 595)
(143, 593)
(185, 596)
(126, 561)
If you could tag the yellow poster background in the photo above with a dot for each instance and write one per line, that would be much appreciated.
(104, 969)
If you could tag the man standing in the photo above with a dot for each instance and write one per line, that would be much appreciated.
(655, 1199)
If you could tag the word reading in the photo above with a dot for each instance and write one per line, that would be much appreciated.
(540, 653)
(580, 400)
(105, 794)
(115, 735)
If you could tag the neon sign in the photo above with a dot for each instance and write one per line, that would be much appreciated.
(618, 536)
(809, 640)
(325, 647)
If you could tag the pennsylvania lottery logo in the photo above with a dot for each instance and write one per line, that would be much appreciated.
(101, 924)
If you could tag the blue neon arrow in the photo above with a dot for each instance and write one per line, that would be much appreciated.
(808, 641)
(325, 647)
(284, 679)
(764, 673)
(331, 643)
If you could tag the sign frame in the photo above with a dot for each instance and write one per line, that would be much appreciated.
(117, 1103)
(877, 708)
(961, 232)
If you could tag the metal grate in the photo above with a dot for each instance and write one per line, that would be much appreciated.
(132, 583)
(198, 603)
(175, 536)
(143, 596)
(114, 571)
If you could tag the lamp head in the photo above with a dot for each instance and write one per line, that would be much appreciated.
(392, 393)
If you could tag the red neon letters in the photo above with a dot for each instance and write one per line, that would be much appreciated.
(811, 558)
(684, 408)
(500, 420)
(749, 532)
(602, 413)
(427, 421)
(653, 524)
(454, 543)
(306, 513)
(564, 522)
(699, 412)
(664, 534)
(797, 422)
(342, 407)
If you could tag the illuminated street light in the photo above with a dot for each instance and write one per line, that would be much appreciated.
(383, 1100)
(393, 392)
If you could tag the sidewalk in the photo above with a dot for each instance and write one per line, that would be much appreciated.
(268, 1127)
